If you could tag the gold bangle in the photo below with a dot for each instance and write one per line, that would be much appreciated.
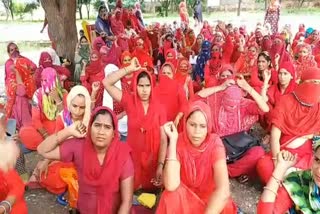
(266, 188)
(171, 159)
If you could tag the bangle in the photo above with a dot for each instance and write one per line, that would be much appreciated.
(267, 188)
(8, 203)
(161, 163)
(274, 158)
(277, 180)
(93, 101)
(4, 208)
(171, 159)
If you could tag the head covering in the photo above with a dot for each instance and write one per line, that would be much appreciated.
(308, 93)
(94, 67)
(45, 103)
(174, 60)
(182, 74)
(204, 56)
(45, 60)
(96, 175)
(54, 56)
(74, 92)
(123, 55)
(98, 43)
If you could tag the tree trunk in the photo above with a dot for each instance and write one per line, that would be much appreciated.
(61, 16)
(239, 7)
(80, 10)
(10, 5)
(88, 10)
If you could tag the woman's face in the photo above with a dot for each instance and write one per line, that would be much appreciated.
(183, 67)
(167, 70)
(169, 56)
(126, 60)
(215, 49)
(199, 39)
(315, 169)
(77, 107)
(12, 49)
(197, 128)
(263, 64)
(102, 131)
(225, 75)
(284, 77)
(140, 44)
(144, 88)
(303, 52)
(94, 57)
(84, 41)
(252, 51)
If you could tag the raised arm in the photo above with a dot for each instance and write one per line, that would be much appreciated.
(110, 80)
(49, 148)
(212, 90)
(171, 174)
(262, 104)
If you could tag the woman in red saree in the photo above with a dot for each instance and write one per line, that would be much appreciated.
(110, 55)
(206, 32)
(189, 41)
(45, 61)
(231, 114)
(20, 85)
(145, 124)
(93, 72)
(305, 60)
(183, 12)
(117, 28)
(12, 187)
(94, 157)
(278, 52)
(183, 77)
(247, 62)
(47, 172)
(195, 175)
(126, 81)
(171, 57)
(197, 45)
(213, 66)
(142, 54)
(48, 104)
(171, 94)
(294, 121)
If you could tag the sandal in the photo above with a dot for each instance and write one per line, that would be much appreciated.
(62, 200)
(243, 179)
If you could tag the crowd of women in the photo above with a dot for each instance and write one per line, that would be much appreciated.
(136, 125)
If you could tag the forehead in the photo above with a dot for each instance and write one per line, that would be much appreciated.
(103, 119)
(197, 116)
(144, 81)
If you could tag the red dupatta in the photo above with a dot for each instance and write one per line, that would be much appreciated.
(274, 92)
(174, 60)
(105, 177)
(170, 94)
(197, 183)
(4, 188)
(144, 134)
(279, 48)
(297, 114)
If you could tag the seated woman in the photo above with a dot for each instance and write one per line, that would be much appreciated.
(145, 120)
(305, 60)
(183, 77)
(231, 114)
(171, 94)
(11, 186)
(95, 157)
(47, 172)
(294, 121)
(91, 73)
(297, 192)
(82, 54)
(213, 66)
(195, 174)
(48, 104)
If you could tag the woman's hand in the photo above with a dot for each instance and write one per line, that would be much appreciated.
(78, 129)
(266, 76)
(171, 131)
(243, 84)
(42, 169)
(55, 95)
(286, 160)
(157, 181)
(134, 66)
(227, 83)
(95, 86)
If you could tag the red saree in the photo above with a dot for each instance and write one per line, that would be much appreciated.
(196, 172)
(143, 134)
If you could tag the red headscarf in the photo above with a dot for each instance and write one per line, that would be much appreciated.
(170, 94)
(181, 74)
(142, 56)
(98, 43)
(143, 132)
(274, 92)
(99, 176)
(228, 113)
(110, 55)
(4, 188)
(174, 60)
(303, 64)
(94, 67)
(297, 114)
(280, 49)
(197, 183)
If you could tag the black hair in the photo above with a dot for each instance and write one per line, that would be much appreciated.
(142, 75)
(81, 31)
(102, 7)
(103, 112)
(129, 23)
(266, 55)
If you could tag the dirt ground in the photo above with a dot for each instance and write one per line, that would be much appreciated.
(246, 195)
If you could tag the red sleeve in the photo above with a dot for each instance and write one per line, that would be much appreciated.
(84, 82)
(16, 185)
(36, 118)
(182, 100)
(265, 207)
(162, 115)
(69, 149)
(190, 88)
(127, 170)
(252, 109)
(59, 123)
(125, 100)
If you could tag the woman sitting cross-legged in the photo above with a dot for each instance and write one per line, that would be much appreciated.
(195, 175)
(95, 156)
